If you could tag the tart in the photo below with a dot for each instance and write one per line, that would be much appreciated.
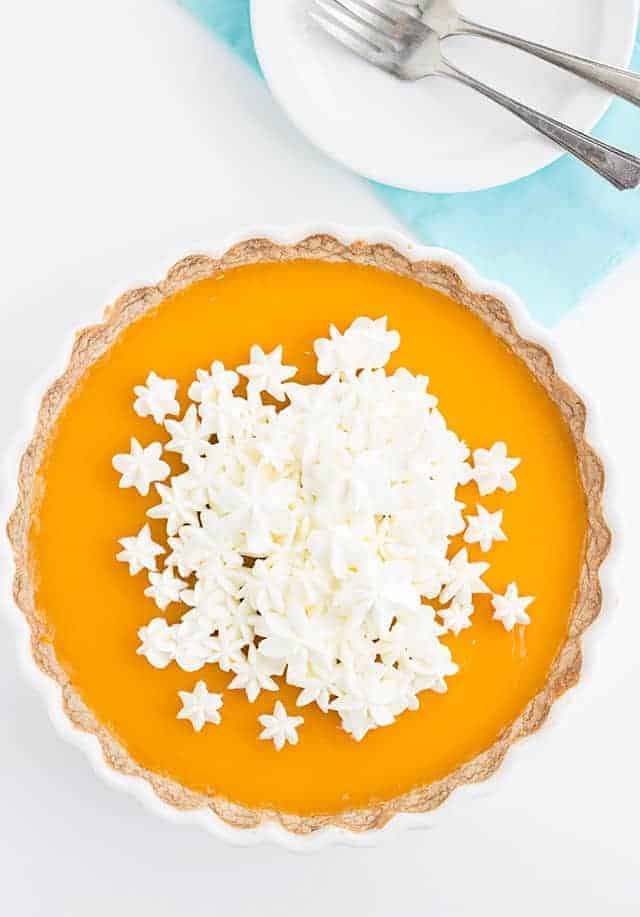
(85, 612)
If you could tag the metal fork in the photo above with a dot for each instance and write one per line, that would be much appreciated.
(404, 46)
(443, 18)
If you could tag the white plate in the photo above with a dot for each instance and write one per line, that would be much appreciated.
(435, 135)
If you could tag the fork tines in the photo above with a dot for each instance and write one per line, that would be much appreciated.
(349, 30)
(376, 30)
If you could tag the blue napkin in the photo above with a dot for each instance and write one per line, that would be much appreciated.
(550, 236)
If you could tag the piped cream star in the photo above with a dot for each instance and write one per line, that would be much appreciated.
(266, 372)
(457, 616)
(492, 469)
(510, 607)
(200, 706)
(140, 551)
(375, 342)
(140, 467)
(213, 385)
(156, 398)
(464, 578)
(484, 528)
(176, 506)
(253, 674)
(157, 643)
(280, 727)
(189, 437)
(165, 588)
(366, 344)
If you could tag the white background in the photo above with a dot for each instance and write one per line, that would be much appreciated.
(130, 137)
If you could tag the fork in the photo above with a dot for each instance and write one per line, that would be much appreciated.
(443, 18)
(409, 49)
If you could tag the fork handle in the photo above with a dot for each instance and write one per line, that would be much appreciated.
(619, 168)
(622, 83)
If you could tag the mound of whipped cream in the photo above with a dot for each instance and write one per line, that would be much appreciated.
(308, 541)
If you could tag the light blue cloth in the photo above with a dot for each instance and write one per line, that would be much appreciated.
(550, 236)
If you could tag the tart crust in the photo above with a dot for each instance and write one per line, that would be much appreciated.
(90, 343)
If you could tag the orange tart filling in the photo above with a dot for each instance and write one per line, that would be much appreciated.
(90, 609)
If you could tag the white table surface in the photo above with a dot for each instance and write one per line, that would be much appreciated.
(130, 138)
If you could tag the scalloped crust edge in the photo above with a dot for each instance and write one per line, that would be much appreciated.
(90, 343)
